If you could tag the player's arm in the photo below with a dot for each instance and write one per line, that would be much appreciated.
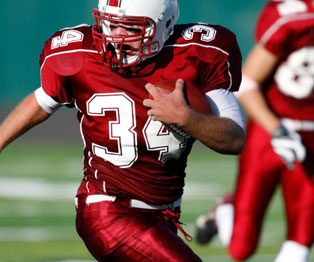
(258, 66)
(221, 134)
(27, 114)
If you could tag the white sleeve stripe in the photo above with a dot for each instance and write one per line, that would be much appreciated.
(225, 104)
(198, 44)
(282, 21)
(45, 101)
(230, 76)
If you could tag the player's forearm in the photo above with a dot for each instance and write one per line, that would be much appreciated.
(255, 105)
(221, 134)
(257, 68)
(26, 115)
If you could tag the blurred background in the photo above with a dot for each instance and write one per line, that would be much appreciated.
(39, 173)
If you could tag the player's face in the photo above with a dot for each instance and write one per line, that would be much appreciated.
(126, 31)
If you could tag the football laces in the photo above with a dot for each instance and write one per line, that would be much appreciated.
(179, 131)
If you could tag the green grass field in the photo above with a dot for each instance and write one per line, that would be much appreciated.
(37, 214)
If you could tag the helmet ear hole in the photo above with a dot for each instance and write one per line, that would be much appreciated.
(168, 23)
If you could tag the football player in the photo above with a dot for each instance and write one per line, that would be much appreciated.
(277, 91)
(128, 203)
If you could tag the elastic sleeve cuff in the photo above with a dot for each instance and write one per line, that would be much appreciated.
(45, 101)
(224, 104)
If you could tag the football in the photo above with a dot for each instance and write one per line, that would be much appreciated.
(193, 96)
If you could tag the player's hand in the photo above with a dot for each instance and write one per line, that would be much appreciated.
(288, 145)
(168, 108)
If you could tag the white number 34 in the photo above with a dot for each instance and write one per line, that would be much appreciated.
(122, 131)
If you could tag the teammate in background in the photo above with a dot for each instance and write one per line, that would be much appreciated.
(277, 92)
(128, 203)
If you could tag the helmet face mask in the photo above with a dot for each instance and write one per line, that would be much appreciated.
(115, 49)
(148, 25)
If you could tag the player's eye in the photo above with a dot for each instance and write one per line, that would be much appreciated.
(134, 30)
(113, 26)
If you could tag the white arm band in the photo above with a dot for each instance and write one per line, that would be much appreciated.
(224, 104)
(45, 101)
(247, 84)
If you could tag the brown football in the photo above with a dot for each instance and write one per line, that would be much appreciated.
(193, 95)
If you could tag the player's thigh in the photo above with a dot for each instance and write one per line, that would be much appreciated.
(116, 233)
(298, 192)
(258, 177)
(258, 174)
(156, 243)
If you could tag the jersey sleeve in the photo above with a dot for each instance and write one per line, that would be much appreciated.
(266, 27)
(45, 101)
(53, 83)
(60, 60)
(280, 24)
(221, 62)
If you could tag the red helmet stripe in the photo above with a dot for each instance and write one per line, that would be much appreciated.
(113, 3)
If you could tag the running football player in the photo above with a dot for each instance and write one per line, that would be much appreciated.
(128, 203)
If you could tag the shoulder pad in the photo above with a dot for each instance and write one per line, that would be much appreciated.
(203, 35)
(70, 38)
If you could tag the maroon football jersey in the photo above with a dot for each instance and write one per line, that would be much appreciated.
(286, 29)
(125, 152)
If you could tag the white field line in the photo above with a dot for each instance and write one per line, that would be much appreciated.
(40, 190)
(36, 234)
(72, 260)
(37, 189)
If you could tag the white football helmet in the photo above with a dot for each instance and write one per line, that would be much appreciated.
(156, 18)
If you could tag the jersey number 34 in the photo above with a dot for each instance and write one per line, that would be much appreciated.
(157, 137)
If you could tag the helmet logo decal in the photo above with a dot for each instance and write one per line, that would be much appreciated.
(116, 3)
